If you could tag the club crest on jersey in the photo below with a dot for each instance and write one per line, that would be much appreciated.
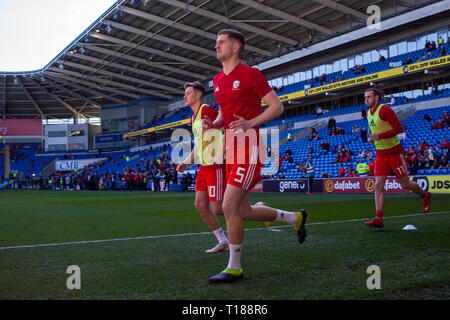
(236, 84)
(372, 123)
(217, 89)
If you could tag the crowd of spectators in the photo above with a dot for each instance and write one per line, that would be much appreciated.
(426, 156)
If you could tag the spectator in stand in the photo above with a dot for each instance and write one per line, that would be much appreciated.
(350, 152)
(350, 171)
(408, 61)
(289, 138)
(338, 157)
(364, 113)
(331, 124)
(446, 117)
(426, 118)
(325, 175)
(315, 136)
(323, 79)
(392, 103)
(346, 158)
(435, 163)
(302, 169)
(422, 146)
(430, 153)
(362, 154)
(289, 159)
(410, 152)
(440, 41)
(364, 135)
(288, 151)
(341, 171)
(443, 163)
(442, 51)
(438, 125)
(356, 129)
(167, 178)
(445, 144)
(319, 111)
(325, 146)
(382, 58)
(433, 45)
(371, 165)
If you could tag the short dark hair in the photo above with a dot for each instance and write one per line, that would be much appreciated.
(197, 85)
(376, 92)
(235, 35)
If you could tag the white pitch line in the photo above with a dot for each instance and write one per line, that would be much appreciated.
(203, 233)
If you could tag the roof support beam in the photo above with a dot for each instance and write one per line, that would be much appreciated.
(186, 28)
(151, 35)
(125, 67)
(64, 74)
(104, 81)
(61, 101)
(340, 7)
(127, 78)
(284, 15)
(223, 19)
(75, 94)
(35, 104)
(159, 65)
(155, 51)
(93, 92)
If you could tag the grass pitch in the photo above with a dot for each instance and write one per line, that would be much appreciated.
(151, 246)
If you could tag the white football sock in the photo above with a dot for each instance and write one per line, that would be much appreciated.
(235, 256)
(220, 235)
(286, 216)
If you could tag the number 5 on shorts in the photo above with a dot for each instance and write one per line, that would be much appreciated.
(241, 173)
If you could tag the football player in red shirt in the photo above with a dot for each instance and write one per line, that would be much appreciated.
(210, 182)
(239, 90)
(390, 155)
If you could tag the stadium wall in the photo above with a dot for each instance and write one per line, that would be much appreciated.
(439, 184)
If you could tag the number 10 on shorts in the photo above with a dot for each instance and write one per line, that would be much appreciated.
(212, 191)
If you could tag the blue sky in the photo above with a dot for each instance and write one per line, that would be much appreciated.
(33, 32)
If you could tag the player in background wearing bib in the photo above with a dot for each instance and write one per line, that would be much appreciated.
(211, 183)
(239, 90)
(390, 156)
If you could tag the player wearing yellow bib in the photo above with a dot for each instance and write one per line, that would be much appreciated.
(208, 153)
(390, 157)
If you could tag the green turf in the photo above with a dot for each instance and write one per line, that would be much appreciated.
(331, 264)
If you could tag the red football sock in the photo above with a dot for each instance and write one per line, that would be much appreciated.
(379, 214)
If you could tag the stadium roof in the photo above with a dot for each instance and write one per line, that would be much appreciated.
(150, 48)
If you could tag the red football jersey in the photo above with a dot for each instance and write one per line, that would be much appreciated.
(240, 92)
(207, 111)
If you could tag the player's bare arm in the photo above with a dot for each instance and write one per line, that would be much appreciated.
(216, 124)
(189, 160)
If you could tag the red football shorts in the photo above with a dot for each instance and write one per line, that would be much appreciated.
(213, 181)
(385, 164)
